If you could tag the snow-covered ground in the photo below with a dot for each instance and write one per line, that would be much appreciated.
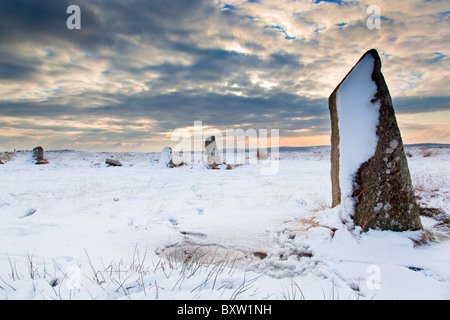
(78, 229)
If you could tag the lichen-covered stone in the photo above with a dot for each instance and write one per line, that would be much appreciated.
(38, 155)
(383, 195)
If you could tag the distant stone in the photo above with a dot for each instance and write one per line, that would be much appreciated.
(259, 254)
(369, 170)
(211, 152)
(262, 154)
(113, 163)
(38, 155)
(29, 212)
(165, 160)
(194, 234)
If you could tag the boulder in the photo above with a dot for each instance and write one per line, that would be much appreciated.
(113, 163)
(369, 169)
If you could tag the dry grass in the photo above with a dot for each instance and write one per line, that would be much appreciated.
(443, 219)
(321, 202)
(6, 157)
(176, 165)
(304, 224)
(45, 161)
(118, 279)
(439, 231)
(428, 153)
(430, 183)
(431, 188)
(215, 166)
(425, 238)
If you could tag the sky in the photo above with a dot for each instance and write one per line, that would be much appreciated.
(137, 70)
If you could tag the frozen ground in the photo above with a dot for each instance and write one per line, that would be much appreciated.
(77, 229)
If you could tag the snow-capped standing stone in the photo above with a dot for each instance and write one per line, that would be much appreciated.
(165, 160)
(211, 152)
(369, 170)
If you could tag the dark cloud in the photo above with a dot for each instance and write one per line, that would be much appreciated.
(410, 105)
(13, 70)
(102, 22)
(45, 22)
(209, 65)
(181, 53)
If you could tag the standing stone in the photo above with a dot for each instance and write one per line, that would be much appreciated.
(212, 154)
(38, 155)
(165, 159)
(369, 170)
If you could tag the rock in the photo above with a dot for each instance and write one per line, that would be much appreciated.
(211, 152)
(38, 156)
(194, 234)
(259, 254)
(113, 163)
(165, 159)
(369, 169)
(29, 212)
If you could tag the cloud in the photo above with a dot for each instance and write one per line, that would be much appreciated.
(259, 63)
(419, 104)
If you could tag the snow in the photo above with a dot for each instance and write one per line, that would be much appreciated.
(357, 122)
(78, 229)
(166, 158)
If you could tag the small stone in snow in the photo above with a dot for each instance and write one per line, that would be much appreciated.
(113, 163)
